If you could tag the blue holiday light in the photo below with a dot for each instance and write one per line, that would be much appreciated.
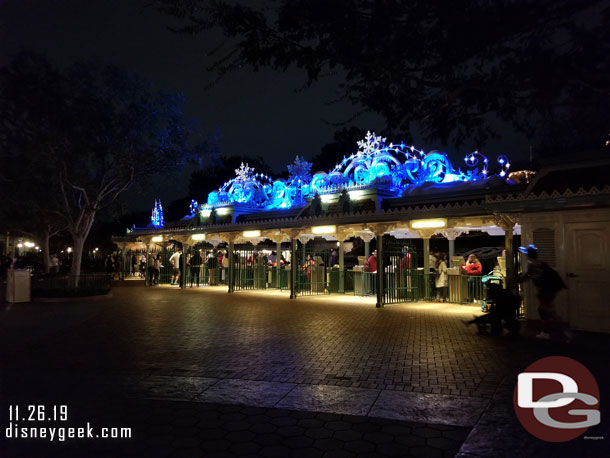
(157, 215)
(374, 164)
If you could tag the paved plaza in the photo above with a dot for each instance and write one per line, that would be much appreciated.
(199, 372)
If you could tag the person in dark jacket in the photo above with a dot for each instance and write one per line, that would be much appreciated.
(195, 264)
(548, 284)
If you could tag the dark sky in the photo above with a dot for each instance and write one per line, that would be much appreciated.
(258, 113)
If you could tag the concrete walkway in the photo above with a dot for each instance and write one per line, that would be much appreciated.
(414, 365)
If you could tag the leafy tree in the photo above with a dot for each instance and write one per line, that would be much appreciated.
(451, 70)
(90, 132)
(315, 206)
(344, 143)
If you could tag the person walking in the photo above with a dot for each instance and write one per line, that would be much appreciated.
(548, 284)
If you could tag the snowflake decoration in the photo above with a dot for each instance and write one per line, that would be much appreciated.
(371, 144)
(300, 169)
(244, 172)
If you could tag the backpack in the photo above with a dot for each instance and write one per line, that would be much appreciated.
(550, 279)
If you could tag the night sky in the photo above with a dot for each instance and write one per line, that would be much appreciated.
(258, 113)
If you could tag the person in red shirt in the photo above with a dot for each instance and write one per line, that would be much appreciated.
(372, 262)
(473, 268)
(371, 266)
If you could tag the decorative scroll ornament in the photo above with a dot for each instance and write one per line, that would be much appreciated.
(375, 163)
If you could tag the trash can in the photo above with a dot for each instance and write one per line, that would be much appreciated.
(18, 286)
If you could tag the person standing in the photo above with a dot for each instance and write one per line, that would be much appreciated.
(225, 268)
(54, 264)
(143, 266)
(334, 258)
(473, 269)
(157, 270)
(442, 279)
(195, 264)
(119, 265)
(174, 260)
(548, 284)
(212, 264)
(371, 267)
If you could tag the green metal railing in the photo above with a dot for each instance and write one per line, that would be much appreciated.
(312, 280)
(403, 285)
(464, 289)
(85, 284)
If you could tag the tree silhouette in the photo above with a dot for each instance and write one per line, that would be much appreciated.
(344, 202)
(449, 70)
(89, 132)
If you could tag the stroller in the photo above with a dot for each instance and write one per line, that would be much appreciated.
(502, 306)
(487, 280)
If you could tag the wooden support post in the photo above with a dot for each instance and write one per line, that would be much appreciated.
(278, 268)
(341, 267)
(231, 273)
(511, 272)
(427, 268)
(294, 266)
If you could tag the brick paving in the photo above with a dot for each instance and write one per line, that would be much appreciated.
(415, 364)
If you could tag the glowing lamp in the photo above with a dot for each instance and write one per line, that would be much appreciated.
(157, 238)
(198, 236)
(324, 229)
(249, 234)
(356, 195)
(222, 211)
(20, 245)
(428, 223)
(69, 250)
(205, 213)
(327, 198)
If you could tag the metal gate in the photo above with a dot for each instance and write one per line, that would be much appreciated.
(165, 275)
(401, 280)
(313, 275)
(250, 267)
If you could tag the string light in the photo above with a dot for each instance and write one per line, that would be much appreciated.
(395, 165)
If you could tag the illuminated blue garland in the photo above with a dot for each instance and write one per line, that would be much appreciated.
(395, 167)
